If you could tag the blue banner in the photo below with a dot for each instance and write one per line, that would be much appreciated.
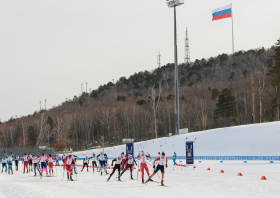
(189, 152)
(129, 149)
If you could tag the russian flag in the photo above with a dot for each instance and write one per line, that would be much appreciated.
(221, 13)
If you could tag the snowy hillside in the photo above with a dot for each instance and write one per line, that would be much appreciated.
(246, 140)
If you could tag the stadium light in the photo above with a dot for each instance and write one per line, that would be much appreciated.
(173, 4)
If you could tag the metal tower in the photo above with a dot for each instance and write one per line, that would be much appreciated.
(158, 59)
(187, 48)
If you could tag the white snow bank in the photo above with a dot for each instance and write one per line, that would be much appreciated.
(246, 140)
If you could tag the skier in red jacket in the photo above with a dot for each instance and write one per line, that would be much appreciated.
(143, 164)
(161, 162)
(68, 161)
(124, 157)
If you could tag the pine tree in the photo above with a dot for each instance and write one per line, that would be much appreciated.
(226, 106)
(50, 122)
(275, 70)
(215, 94)
(32, 135)
(275, 74)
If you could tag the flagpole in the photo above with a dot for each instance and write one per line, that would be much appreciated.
(232, 30)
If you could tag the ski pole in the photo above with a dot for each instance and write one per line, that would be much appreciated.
(157, 172)
(138, 169)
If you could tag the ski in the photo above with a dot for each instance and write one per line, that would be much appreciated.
(164, 186)
(49, 176)
(155, 181)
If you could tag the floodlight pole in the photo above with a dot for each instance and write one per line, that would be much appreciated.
(176, 77)
(174, 4)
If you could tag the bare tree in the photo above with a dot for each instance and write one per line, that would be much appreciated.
(252, 83)
(261, 74)
(154, 101)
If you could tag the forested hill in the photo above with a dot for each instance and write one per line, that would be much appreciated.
(211, 91)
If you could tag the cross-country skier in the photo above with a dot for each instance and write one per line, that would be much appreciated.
(38, 164)
(129, 165)
(56, 160)
(35, 162)
(73, 165)
(143, 164)
(50, 160)
(174, 158)
(16, 162)
(124, 157)
(94, 159)
(161, 162)
(25, 163)
(102, 161)
(30, 162)
(63, 158)
(68, 161)
(43, 160)
(4, 164)
(118, 161)
(10, 164)
(85, 162)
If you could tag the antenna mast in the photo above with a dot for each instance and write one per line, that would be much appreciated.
(159, 59)
(187, 48)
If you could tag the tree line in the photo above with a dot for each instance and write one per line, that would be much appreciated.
(244, 85)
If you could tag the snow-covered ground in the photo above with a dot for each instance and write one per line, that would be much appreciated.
(182, 182)
(249, 140)
(245, 140)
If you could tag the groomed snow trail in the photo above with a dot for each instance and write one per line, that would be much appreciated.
(183, 182)
(245, 140)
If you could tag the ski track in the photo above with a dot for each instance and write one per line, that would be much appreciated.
(182, 182)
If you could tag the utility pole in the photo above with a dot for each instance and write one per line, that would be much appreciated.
(173, 4)
(158, 60)
(45, 104)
